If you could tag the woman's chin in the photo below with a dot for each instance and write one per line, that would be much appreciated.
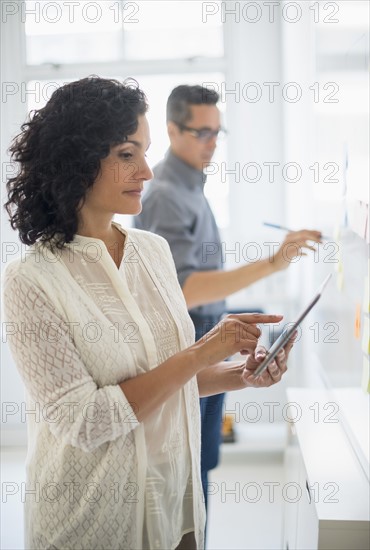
(133, 211)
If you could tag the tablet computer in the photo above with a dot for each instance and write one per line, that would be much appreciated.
(287, 333)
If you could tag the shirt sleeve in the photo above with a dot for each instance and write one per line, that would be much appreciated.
(56, 379)
(164, 215)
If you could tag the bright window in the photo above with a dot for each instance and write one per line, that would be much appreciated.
(62, 32)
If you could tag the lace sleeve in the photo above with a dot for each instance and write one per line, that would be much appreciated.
(54, 373)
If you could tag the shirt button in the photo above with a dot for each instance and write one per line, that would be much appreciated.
(164, 448)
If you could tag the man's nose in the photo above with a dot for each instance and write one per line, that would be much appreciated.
(212, 142)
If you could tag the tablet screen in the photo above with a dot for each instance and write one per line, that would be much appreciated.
(287, 333)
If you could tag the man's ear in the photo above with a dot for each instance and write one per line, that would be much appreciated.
(172, 129)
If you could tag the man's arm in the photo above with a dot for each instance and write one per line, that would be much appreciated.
(205, 287)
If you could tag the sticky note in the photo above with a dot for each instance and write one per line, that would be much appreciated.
(358, 322)
(366, 302)
(340, 272)
(363, 219)
(365, 382)
(336, 233)
(339, 265)
(366, 335)
(340, 280)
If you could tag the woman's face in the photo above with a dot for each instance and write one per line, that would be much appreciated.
(118, 187)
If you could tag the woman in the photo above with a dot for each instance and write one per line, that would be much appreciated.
(103, 340)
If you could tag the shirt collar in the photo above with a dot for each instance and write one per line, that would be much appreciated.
(183, 173)
(80, 241)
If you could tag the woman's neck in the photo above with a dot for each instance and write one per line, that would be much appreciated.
(95, 228)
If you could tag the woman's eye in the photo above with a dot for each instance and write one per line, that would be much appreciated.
(126, 155)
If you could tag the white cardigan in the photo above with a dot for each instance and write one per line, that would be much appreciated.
(64, 373)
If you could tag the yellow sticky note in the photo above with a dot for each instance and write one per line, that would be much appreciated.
(339, 265)
(336, 233)
(365, 382)
(366, 302)
(366, 335)
(340, 273)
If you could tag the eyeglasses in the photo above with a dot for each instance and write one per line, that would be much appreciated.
(203, 134)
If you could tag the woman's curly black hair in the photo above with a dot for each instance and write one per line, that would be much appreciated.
(59, 152)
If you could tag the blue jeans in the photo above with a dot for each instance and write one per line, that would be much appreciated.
(210, 412)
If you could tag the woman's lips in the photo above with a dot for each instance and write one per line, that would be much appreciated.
(136, 192)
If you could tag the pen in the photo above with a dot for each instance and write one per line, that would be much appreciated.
(276, 226)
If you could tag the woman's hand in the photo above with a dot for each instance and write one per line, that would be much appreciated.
(235, 333)
(274, 371)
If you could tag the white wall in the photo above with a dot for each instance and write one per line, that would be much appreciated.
(13, 113)
(253, 59)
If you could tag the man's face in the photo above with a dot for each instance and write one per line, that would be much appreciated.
(191, 149)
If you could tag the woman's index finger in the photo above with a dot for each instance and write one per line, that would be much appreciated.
(258, 318)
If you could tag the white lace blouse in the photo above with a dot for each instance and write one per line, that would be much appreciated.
(104, 479)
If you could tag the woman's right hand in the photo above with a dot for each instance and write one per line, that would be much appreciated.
(236, 333)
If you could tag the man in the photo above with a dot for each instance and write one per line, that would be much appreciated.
(176, 208)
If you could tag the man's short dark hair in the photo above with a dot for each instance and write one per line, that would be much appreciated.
(183, 96)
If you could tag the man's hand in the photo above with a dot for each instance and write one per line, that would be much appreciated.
(274, 371)
(292, 247)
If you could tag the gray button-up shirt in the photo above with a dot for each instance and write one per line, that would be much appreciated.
(175, 208)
